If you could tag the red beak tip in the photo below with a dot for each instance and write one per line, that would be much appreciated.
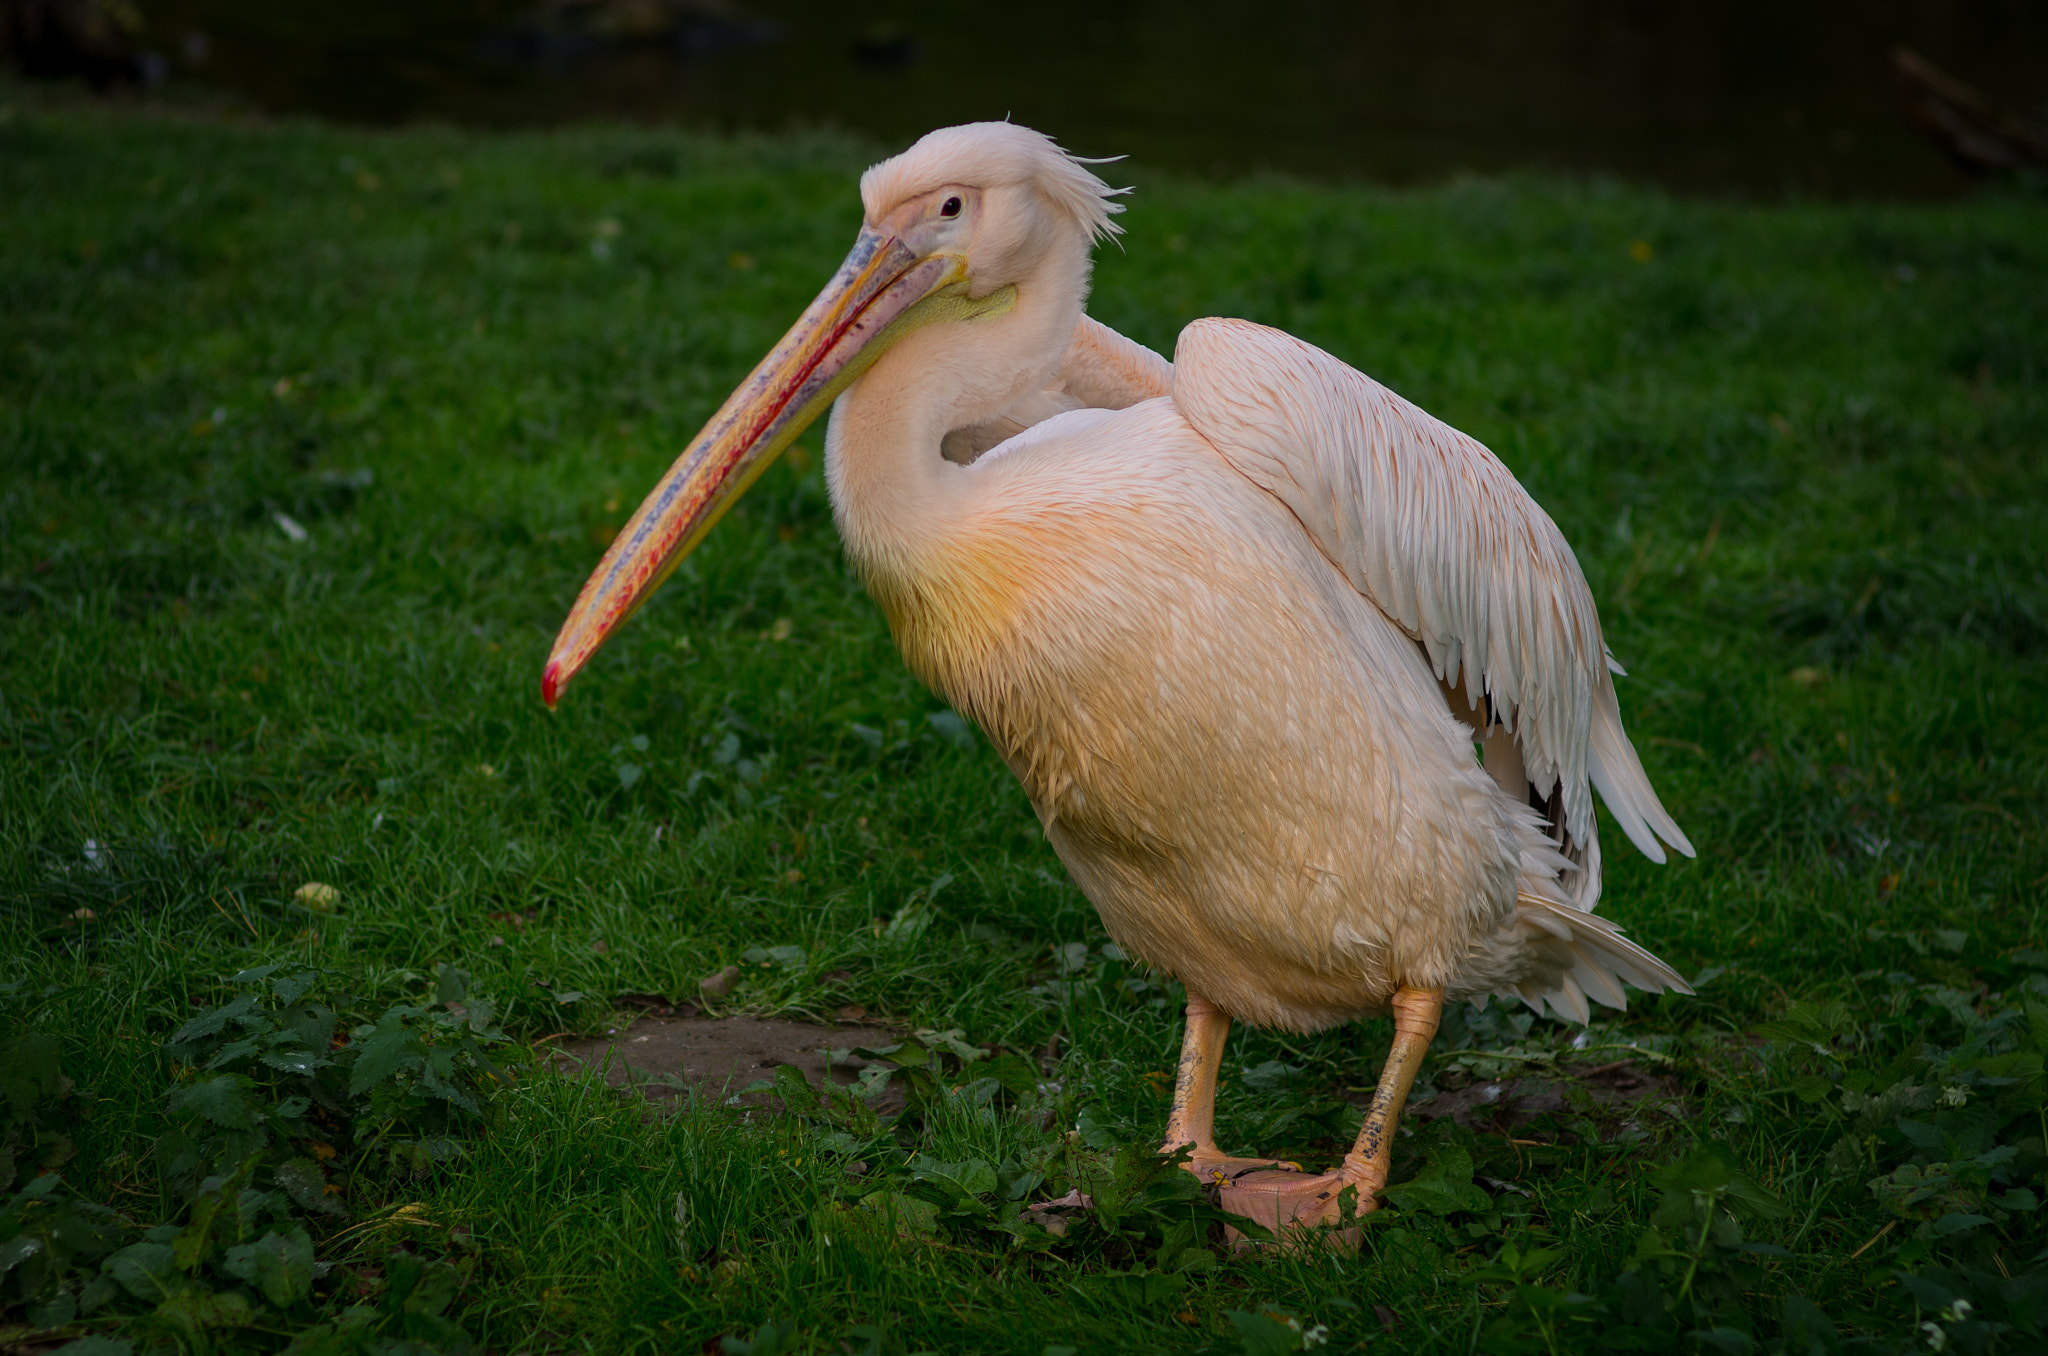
(551, 684)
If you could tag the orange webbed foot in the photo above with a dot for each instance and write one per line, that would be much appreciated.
(1300, 1209)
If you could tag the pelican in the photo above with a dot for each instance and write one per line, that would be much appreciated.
(1308, 693)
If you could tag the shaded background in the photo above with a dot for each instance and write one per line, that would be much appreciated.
(1748, 97)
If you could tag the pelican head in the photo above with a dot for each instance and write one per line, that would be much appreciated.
(979, 237)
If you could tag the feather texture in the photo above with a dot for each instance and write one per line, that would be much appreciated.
(1429, 524)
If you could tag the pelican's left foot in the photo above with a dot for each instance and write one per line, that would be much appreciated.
(1300, 1208)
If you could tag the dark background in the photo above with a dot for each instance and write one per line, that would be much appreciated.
(1755, 98)
(1752, 97)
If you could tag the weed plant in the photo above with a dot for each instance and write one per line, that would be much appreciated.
(310, 437)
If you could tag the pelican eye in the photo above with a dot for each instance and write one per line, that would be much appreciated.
(951, 208)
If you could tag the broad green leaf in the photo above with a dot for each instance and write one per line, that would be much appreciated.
(389, 1048)
(1811, 1024)
(312, 1023)
(57, 1312)
(1265, 1334)
(1713, 1172)
(1016, 1074)
(214, 1020)
(440, 1061)
(907, 1054)
(952, 1042)
(303, 1181)
(295, 1062)
(219, 1204)
(147, 1271)
(1949, 1225)
(433, 1083)
(970, 1178)
(450, 985)
(1094, 1133)
(85, 1230)
(224, 1100)
(1923, 1136)
(907, 1216)
(245, 1048)
(16, 1250)
(796, 1092)
(1443, 1186)
(278, 1264)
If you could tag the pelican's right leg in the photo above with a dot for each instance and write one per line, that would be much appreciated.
(1192, 1122)
(1285, 1201)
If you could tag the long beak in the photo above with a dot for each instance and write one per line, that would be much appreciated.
(882, 292)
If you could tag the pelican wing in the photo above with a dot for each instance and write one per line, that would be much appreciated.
(1432, 528)
(1101, 370)
(1105, 371)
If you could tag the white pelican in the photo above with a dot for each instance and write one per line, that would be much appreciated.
(1236, 623)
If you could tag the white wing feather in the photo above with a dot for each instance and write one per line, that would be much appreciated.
(1432, 528)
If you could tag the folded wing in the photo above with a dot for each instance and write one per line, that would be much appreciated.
(1102, 370)
(1430, 526)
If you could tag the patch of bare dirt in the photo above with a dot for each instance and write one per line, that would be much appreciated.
(661, 1057)
(1619, 1099)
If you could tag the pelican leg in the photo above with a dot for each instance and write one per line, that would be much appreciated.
(1416, 1014)
(1284, 1201)
(1192, 1121)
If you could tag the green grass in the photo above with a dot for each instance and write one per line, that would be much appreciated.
(1802, 452)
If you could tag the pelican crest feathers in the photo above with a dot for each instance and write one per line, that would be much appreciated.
(996, 155)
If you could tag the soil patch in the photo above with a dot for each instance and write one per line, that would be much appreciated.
(664, 1057)
(1618, 1099)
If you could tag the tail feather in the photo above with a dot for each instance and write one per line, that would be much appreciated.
(1551, 954)
(1597, 984)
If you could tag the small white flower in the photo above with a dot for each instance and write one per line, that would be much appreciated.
(1958, 1312)
(1317, 1336)
(1955, 1094)
(1937, 1336)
